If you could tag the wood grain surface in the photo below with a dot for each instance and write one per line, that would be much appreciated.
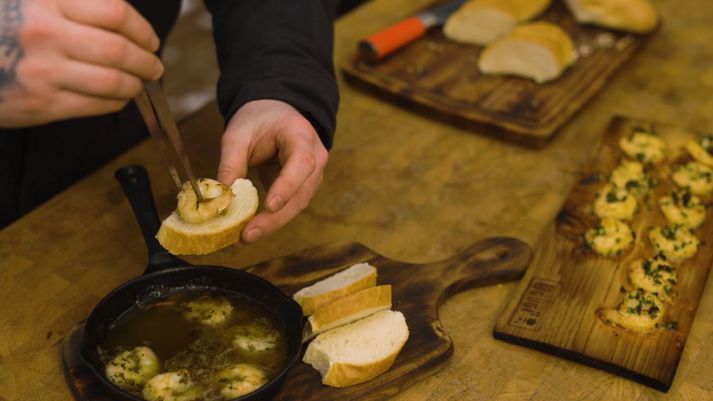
(554, 307)
(402, 183)
(417, 292)
(441, 77)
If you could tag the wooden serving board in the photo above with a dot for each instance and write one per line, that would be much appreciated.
(553, 309)
(417, 292)
(439, 77)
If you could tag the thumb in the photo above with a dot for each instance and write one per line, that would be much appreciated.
(234, 154)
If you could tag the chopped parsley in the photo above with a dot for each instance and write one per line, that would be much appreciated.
(668, 232)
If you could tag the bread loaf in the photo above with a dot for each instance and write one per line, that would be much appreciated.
(540, 51)
(198, 228)
(482, 21)
(358, 351)
(637, 16)
(347, 309)
(353, 279)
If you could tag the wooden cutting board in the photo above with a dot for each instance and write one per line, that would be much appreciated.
(417, 292)
(553, 309)
(439, 77)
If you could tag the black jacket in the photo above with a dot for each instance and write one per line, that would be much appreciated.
(267, 49)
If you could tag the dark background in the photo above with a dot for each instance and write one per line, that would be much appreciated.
(30, 181)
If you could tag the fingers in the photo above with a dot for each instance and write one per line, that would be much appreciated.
(97, 46)
(259, 131)
(114, 15)
(234, 155)
(98, 81)
(299, 165)
(265, 223)
(74, 105)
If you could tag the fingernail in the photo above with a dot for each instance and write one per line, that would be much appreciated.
(155, 43)
(253, 235)
(276, 203)
(158, 69)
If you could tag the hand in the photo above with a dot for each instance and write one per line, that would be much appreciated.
(258, 131)
(71, 58)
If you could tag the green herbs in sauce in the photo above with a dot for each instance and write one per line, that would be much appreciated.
(209, 347)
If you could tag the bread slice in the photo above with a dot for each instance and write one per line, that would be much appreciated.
(637, 16)
(480, 22)
(353, 279)
(347, 309)
(180, 237)
(358, 351)
(538, 50)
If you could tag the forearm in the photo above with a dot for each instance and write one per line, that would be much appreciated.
(272, 49)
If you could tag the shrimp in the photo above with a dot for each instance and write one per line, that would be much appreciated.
(208, 311)
(172, 386)
(256, 338)
(217, 199)
(695, 176)
(239, 380)
(130, 369)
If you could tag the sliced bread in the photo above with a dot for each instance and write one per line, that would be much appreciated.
(637, 16)
(480, 22)
(539, 50)
(216, 226)
(347, 309)
(353, 279)
(358, 351)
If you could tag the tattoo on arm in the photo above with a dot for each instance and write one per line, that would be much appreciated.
(10, 51)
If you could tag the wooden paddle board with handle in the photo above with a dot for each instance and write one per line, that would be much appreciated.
(554, 307)
(439, 77)
(417, 292)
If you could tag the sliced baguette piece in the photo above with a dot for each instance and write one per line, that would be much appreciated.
(638, 16)
(347, 309)
(180, 237)
(480, 22)
(539, 50)
(353, 279)
(358, 351)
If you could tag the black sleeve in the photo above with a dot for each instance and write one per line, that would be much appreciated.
(277, 49)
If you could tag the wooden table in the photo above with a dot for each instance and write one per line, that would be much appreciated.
(411, 188)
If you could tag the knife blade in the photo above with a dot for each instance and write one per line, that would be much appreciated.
(378, 45)
(154, 109)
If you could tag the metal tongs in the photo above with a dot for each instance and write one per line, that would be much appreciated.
(154, 109)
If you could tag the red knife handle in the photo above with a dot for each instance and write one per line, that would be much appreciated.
(380, 44)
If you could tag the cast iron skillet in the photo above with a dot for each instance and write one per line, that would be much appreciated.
(166, 274)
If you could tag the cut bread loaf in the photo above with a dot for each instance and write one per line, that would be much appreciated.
(482, 21)
(198, 228)
(637, 16)
(353, 279)
(358, 351)
(540, 51)
(347, 309)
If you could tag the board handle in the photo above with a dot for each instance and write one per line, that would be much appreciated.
(491, 261)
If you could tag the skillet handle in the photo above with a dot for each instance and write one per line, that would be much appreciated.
(136, 185)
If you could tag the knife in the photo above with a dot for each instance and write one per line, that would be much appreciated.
(154, 109)
(374, 47)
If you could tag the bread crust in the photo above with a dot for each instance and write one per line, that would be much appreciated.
(544, 38)
(311, 303)
(520, 10)
(480, 22)
(346, 374)
(638, 16)
(350, 308)
(181, 238)
(343, 373)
